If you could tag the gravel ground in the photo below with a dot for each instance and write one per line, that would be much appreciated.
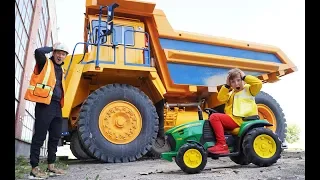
(290, 166)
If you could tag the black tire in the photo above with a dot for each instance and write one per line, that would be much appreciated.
(240, 159)
(97, 144)
(180, 162)
(159, 146)
(76, 147)
(249, 150)
(268, 100)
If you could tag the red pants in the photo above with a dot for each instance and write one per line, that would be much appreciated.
(219, 122)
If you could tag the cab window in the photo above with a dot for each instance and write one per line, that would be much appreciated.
(95, 28)
(118, 35)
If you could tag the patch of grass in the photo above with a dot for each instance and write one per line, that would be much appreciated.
(23, 167)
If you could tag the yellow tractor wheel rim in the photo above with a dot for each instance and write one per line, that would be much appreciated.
(192, 158)
(264, 146)
(266, 113)
(120, 122)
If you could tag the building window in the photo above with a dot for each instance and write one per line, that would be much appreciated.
(32, 1)
(28, 17)
(44, 19)
(18, 75)
(15, 10)
(16, 106)
(27, 127)
(22, 27)
(45, 12)
(52, 39)
(38, 42)
(49, 43)
(30, 106)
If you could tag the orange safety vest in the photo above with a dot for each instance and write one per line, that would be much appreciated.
(42, 84)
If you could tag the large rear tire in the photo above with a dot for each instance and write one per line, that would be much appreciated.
(270, 110)
(118, 123)
(76, 147)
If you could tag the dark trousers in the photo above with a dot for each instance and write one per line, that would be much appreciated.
(47, 118)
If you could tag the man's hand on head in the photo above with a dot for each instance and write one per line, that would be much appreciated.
(55, 45)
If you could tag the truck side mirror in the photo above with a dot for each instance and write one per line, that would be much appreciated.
(110, 18)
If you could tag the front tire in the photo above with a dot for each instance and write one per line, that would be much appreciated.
(118, 123)
(262, 147)
(191, 158)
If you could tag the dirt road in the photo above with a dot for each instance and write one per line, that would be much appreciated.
(290, 166)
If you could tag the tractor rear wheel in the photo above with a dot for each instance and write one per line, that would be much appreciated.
(262, 147)
(77, 148)
(270, 110)
(118, 123)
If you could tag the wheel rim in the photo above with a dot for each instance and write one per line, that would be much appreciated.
(264, 146)
(192, 158)
(120, 122)
(266, 113)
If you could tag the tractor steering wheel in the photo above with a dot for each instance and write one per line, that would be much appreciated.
(210, 111)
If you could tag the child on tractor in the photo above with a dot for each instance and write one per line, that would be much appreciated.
(238, 94)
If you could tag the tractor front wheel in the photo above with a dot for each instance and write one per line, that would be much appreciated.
(191, 158)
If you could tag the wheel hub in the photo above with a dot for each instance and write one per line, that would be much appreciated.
(192, 158)
(120, 122)
(264, 146)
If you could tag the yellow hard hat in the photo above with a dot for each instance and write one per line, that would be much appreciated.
(60, 47)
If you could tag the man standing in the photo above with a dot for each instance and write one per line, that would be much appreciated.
(47, 90)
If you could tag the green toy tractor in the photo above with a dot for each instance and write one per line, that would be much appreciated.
(250, 143)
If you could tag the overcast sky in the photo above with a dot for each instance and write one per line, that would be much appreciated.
(279, 23)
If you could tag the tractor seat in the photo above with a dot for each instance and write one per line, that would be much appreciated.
(234, 131)
(249, 118)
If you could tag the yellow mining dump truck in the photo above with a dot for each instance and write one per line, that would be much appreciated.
(138, 77)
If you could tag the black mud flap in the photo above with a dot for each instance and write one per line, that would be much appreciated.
(64, 131)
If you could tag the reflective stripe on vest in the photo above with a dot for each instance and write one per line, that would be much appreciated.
(40, 86)
(244, 104)
(46, 76)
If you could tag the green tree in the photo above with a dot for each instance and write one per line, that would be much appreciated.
(293, 133)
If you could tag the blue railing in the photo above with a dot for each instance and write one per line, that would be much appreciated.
(87, 43)
(146, 51)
